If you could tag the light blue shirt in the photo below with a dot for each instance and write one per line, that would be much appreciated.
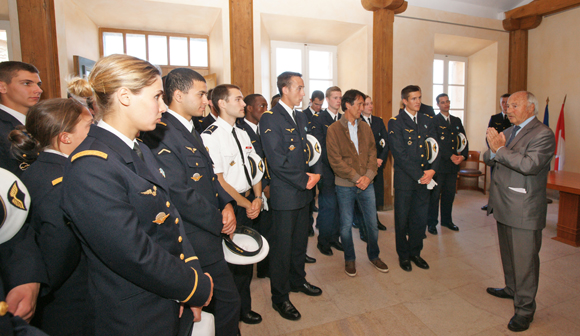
(353, 131)
(522, 125)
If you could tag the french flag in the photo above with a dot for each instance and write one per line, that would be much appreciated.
(560, 140)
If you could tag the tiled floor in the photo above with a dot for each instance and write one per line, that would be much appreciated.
(447, 299)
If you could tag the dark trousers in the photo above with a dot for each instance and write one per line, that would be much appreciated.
(519, 250)
(328, 219)
(225, 303)
(411, 208)
(379, 183)
(243, 273)
(287, 251)
(264, 227)
(444, 191)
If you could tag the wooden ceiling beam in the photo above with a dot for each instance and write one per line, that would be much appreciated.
(541, 8)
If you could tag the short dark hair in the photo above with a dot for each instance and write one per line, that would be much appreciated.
(8, 70)
(349, 97)
(441, 95)
(180, 79)
(317, 94)
(221, 92)
(284, 80)
(505, 95)
(408, 89)
(250, 99)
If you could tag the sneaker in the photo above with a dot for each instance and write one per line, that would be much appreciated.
(380, 265)
(349, 268)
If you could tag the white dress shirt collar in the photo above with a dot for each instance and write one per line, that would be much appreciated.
(287, 108)
(102, 124)
(412, 116)
(187, 123)
(252, 125)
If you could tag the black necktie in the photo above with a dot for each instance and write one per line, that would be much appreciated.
(294, 117)
(415, 119)
(195, 135)
(513, 135)
(449, 121)
(137, 150)
(242, 155)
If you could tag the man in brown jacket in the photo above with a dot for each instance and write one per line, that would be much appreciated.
(352, 155)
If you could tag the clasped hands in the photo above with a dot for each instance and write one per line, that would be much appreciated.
(427, 176)
(494, 139)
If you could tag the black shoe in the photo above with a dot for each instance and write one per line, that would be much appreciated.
(308, 289)
(364, 238)
(326, 250)
(309, 260)
(337, 245)
(381, 226)
(484, 208)
(419, 262)
(432, 230)
(405, 265)
(451, 226)
(287, 310)
(520, 323)
(499, 292)
(251, 318)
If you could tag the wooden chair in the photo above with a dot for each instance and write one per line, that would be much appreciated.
(470, 168)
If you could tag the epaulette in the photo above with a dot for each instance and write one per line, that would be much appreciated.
(96, 153)
(139, 139)
(316, 115)
(269, 112)
(431, 117)
(162, 123)
(56, 181)
(210, 129)
(393, 118)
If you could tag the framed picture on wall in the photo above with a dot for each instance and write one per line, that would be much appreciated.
(83, 66)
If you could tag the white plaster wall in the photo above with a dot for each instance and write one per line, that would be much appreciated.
(219, 48)
(353, 62)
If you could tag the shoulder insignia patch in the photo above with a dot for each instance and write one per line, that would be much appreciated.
(96, 153)
(313, 127)
(290, 130)
(391, 132)
(431, 117)
(327, 125)
(444, 127)
(193, 150)
(152, 192)
(139, 139)
(316, 115)
(162, 123)
(269, 112)
(268, 130)
(210, 129)
(164, 150)
(253, 141)
(16, 196)
(393, 118)
(56, 181)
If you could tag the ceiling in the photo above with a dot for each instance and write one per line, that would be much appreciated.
(493, 9)
(459, 45)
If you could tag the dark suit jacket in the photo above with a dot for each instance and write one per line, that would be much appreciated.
(448, 141)
(380, 133)
(193, 185)
(204, 123)
(309, 114)
(427, 109)
(407, 144)
(63, 307)
(20, 258)
(498, 122)
(284, 143)
(319, 128)
(141, 263)
(524, 164)
(255, 138)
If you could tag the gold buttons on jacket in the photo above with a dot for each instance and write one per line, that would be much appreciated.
(176, 220)
(419, 137)
(422, 165)
(213, 178)
(168, 204)
(181, 256)
(216, 194)
(180, 239)
(3, 308)
(422, 155)
(421, 146)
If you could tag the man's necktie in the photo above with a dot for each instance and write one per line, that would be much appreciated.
(137, 150)
(195, 135)
(294, 117)
(449, 121)
(242, 155)
(415, 119)
(513, 135)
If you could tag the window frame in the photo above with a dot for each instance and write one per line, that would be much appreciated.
(446, 59)
(305, 49)
(167, 67)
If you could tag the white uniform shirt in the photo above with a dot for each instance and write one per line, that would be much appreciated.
(224, 152)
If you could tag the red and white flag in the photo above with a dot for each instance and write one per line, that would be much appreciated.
(560, 140)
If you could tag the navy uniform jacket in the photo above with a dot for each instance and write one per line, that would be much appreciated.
(13, 325)
(284, 143)
(141, 265)
(407, 144)
(426, 109)
(319, 128)
(255, 138)
(20, 258)
(309, 114)
(63, 308)
(498, 122)
(204, 123)
(380, 133)
(193, 186)
(447, 140)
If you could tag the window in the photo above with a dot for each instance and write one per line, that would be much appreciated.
(316, 63)
(164, 49)
(449, 76)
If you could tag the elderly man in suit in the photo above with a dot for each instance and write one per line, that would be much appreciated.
(521, 157)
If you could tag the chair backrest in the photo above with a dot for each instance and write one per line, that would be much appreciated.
(472, 161)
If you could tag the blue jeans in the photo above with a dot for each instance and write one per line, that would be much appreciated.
(366, 200)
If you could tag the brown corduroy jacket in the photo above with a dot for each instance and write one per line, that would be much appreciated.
(348, 164)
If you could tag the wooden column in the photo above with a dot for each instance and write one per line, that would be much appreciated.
(383, 20)
(242, 44)
(38, 42)
(518, 56)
